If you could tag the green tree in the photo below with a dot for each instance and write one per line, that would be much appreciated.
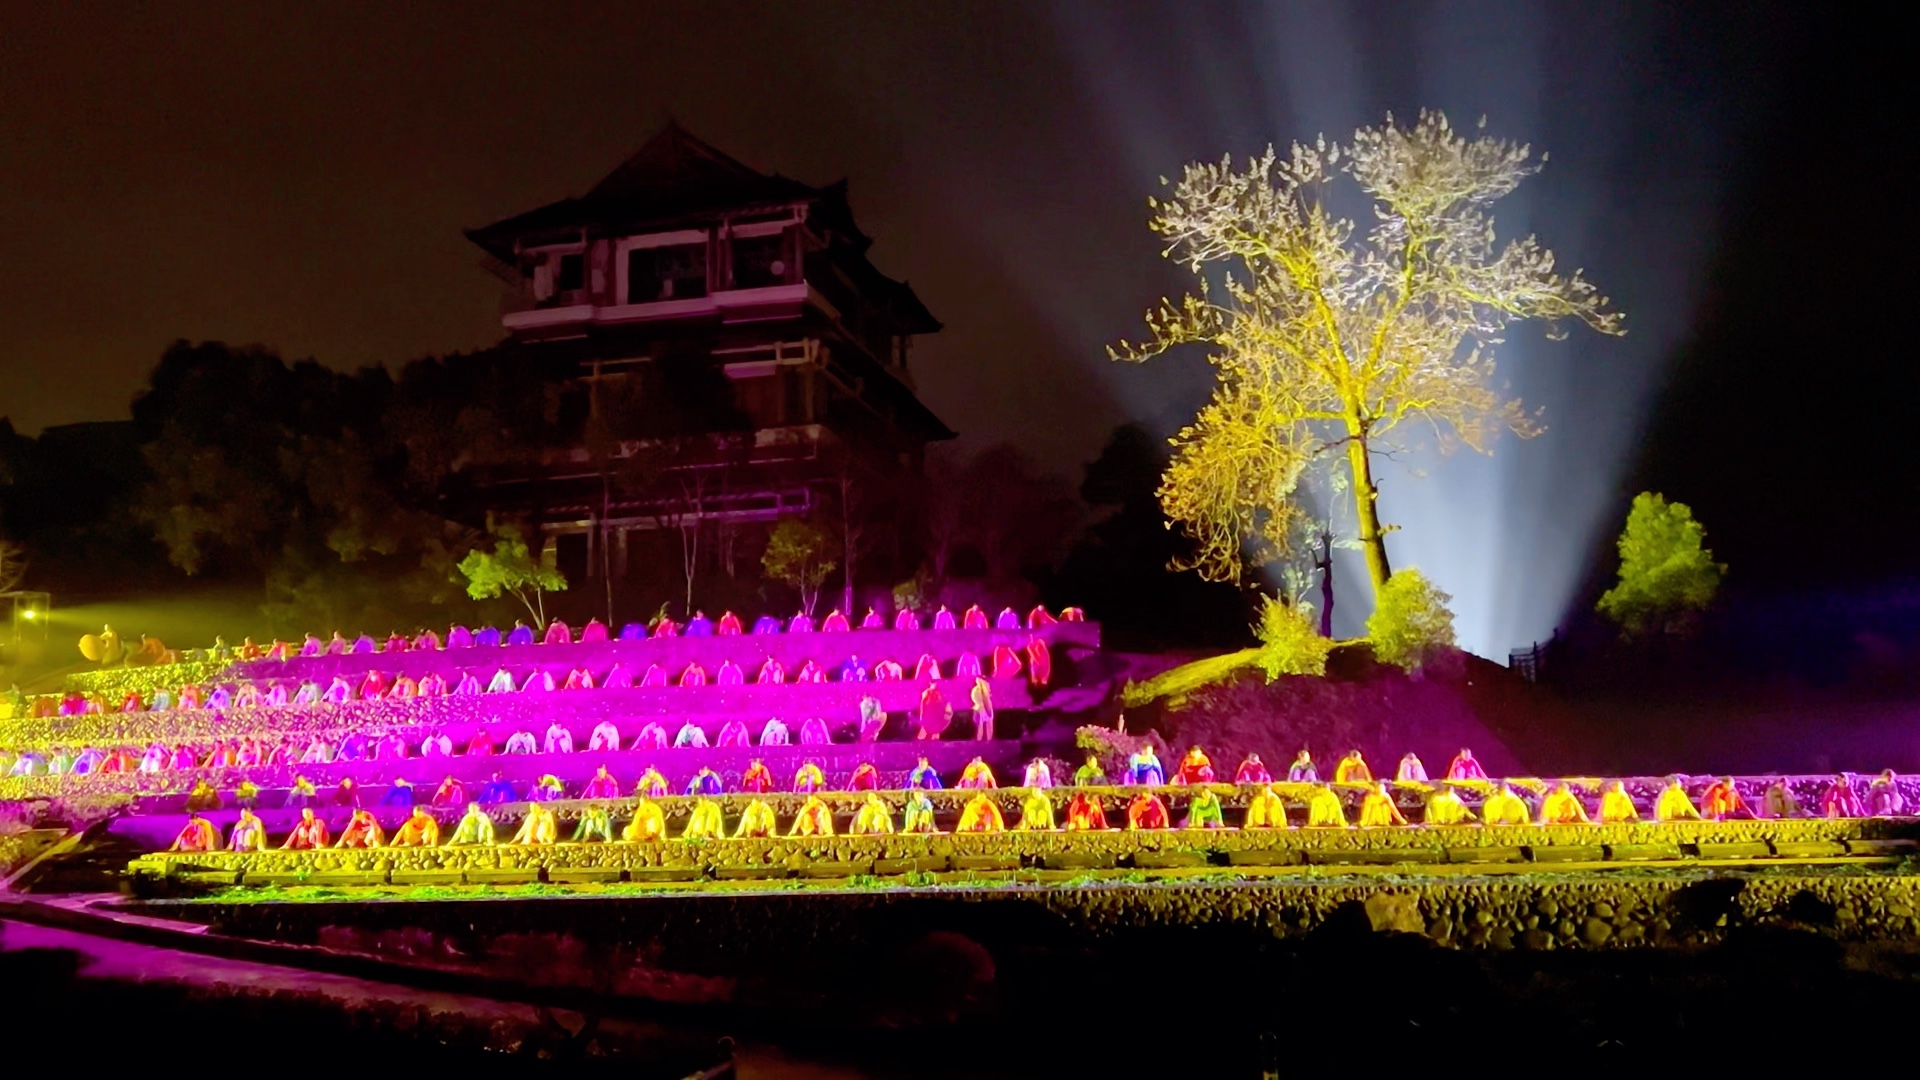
(798, 555)
(1667, 575)
(511, 568)
(1410, 620)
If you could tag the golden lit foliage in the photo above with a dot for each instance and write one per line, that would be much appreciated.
(1327, 340)
(1290, 643)
(1410, 620)
(1666, 572)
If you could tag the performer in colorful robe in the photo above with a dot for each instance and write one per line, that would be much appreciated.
(1722, 802)
(1884, 798)
(433, 685)
(774, 733)
(652, 737)
(487, 637)
(706, 822)
(595, 630)
(873, 818)
(690, 735)
(450, 793)
(980, 815)
(1445, 807)
(475, 828)
(1464, 767)
(1084, 812)
(1006, 662)
(1411, 771)
(772, 673)
(694, 675)
(982, 700)
(1194, 768)
(1039, 776)
(1302, 770)
(704, 782)
(966, 668)
(865, 777)
(521, 634)
(766, 624)
(935, 712)
(1673, 804)
(926, 667)
(655, 676)
(419, 830)
(1324, 809)
(578, 679)
(648, 823)
(309, 834)
(559, 739)
(468, 686)
(606, 736)
(888, 671)
(1616, 806)
(1039, 662)
(699, 625)
(436, 744)
(977, 774)
(602, 786)
(1377, 809)
(596, 823)
(1562, 807)
(814, 818)
(619, 677)
(1090, 774)
(538, 827)
(1146, 811)
(459, 637)
(498, 790)
(1352, 769)
(906, 619)
(813, 732)
(1252, 771)
(801, 623)
(1143, 768)
(923, 775)
(1203, 811)
(1036, 811)
(729, 674)
(733, 735)
(1504, 807)
(1840, 801)
(873, 621)
(873, 718)
(943, 619)
(547, 789)
(203, 797)
(809, 779)
(834, 622)
(362, 831)
(248, 834)
(917, 815)
(651, 784)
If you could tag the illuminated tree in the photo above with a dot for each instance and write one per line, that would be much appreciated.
(1290, 644)
(798, 555)
(511, 568)
(1667, 575)
(1410, 620)
(1326, 341)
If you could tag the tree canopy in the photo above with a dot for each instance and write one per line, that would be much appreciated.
(1667, 575)
(1410, 620)
(511, 569)
(799, 554)
(1326, 341)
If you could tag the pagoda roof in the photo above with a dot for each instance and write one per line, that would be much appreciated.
(674, 175)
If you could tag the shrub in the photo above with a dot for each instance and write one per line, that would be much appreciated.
(1290, 643)
(1410, 621)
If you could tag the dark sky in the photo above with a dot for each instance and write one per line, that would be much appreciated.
(298, 176)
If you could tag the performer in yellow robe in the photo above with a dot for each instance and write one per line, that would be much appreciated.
(475, 828)
(1503, 807)
(538, 827)
(980, 815)
(1324, 810)
(918, 814)
(815, 818)
(706, 822)
(756, 822)
(1377, 810)
(648, 823)
(1352, 770)
(1266, 810)
(1036, 812)
(1616, 806)
(419, 830)
(1562, 807)
(873, 818)
(1445, 807)
(1673, 804)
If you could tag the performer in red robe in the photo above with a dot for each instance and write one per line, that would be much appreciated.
(1039, 662)
(1252, 771)
(729, 623)
(927, 668)
(835, 622)
(865, 778)
(974, 619)
(1146, 811)
(1084, 812)
(935, 712)
(1006, 663)
(758, 778)
(362, 831)
(309, 834)
(199, 835)
(1722, 802)
(1194, 768)
(1039, 617)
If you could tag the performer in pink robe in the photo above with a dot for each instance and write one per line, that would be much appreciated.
(1006, 665)
(733, 735)
(813, 732)
(906, 619)
(1039, 662)
(433, 685)
(811, 672)
(618, 678)
(927, 668)
(1464, 767)
(1008, 619)
(339, 692)
(943, 619)
(468, 686)
(974, 619)
(873, 621)
(1073, 614)
(1039, 617)
(558, 633)
(540, 682)
(652, 737)
(966, 668)
(606, 736)
(888, 671)
(801, 623)
(666, 628)
(772, 673)
(655, 676)
(396, 643)
(602, 786)
(595, 630)
(1252, 771)
(428, 641)
(834, 622)
(578, 679)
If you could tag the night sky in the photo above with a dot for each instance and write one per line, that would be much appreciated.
(1731, 175)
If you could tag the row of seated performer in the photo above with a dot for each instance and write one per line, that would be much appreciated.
(1499, 804)
(1084, 811)
(380, 686)
(559, 633)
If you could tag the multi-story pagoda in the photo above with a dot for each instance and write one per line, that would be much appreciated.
(743, 359)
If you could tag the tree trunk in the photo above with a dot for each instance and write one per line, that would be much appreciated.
(846, 536)
(1325, 565)
(1366, 495)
